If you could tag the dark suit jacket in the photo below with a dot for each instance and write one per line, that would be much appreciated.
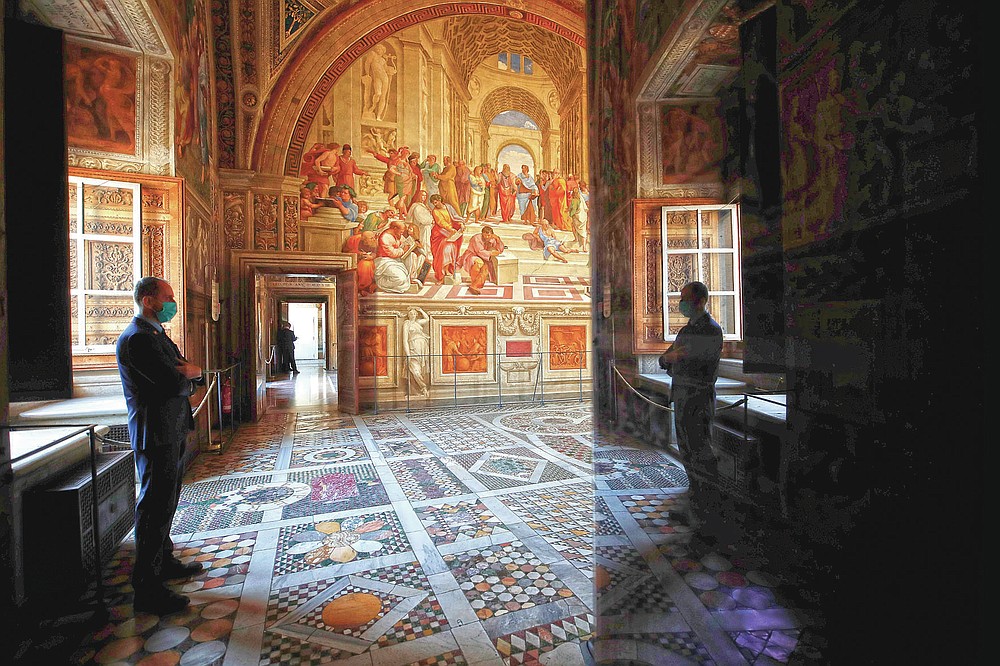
(159, 413)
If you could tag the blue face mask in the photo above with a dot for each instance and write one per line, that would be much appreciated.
(686, 308)
(167, 313)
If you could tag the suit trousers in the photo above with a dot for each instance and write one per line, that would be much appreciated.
(694, 409)
(160, 474)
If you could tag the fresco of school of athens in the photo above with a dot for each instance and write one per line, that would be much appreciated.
(457, 188)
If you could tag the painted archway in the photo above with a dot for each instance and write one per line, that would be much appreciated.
(535, 159)
(309, 74)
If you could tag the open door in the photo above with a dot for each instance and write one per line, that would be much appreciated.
(348, 397)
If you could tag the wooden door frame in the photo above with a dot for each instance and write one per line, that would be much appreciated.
(245, 266)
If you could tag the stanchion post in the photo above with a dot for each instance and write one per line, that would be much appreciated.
(499, 381)
(541, 373)
(95, 517)
(375, 380)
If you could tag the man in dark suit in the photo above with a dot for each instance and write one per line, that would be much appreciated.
(693, 365)
(157, 381)
(286, 347)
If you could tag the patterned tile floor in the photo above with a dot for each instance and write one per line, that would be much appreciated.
(475, 535)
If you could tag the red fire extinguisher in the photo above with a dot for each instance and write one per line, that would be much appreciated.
(227, 397)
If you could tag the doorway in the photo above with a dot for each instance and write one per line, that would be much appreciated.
(308, 324)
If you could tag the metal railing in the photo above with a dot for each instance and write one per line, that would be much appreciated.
(220, 379)
(477, 375)
(76, 429)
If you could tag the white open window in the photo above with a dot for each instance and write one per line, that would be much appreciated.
(105, 256)
(702, 243)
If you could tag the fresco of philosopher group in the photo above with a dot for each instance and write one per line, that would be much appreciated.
(454, 187)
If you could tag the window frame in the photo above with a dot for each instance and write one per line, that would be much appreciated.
(79, 238)
(665, 252)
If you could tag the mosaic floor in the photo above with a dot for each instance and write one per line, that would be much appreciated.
(453, 536)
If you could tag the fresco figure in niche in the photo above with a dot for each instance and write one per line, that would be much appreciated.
(507, 188)
(527, 192)
(478, 194)
(430, 169)
(377, 69)
(392, 274)
(480, 259)
(446, 242)
(416, 347)
(100, 100)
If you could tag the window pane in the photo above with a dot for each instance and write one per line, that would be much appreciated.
(109, 266)
(107, 210)
(502, 61)
(107, 317)
(74, 320)
(515, 62)
(680, 270)
(528, 67)
(682, 230)
(723, 309)
(717, 271)
(73, 277)
(73, 198)
(717, 228)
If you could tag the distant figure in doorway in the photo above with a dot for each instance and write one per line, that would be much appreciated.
(693, 365)
(286, 348)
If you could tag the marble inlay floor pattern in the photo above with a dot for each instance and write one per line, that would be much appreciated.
(474, 535)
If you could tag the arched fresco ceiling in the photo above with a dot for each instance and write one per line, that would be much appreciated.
(517, 99)
(332, 45)
(474, 39)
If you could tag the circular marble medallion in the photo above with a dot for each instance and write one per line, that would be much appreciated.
(204, 654)
(701, 581)
(757, 598)
(166, 639)
(330, 455)
(264, 496)
(716, 562)
(220, 609)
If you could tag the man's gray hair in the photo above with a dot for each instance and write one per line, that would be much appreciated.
(147, 286)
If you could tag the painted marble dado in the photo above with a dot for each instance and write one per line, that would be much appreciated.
(488, 351)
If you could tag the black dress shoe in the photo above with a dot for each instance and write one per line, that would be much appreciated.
(177, 569)
(159, 601)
